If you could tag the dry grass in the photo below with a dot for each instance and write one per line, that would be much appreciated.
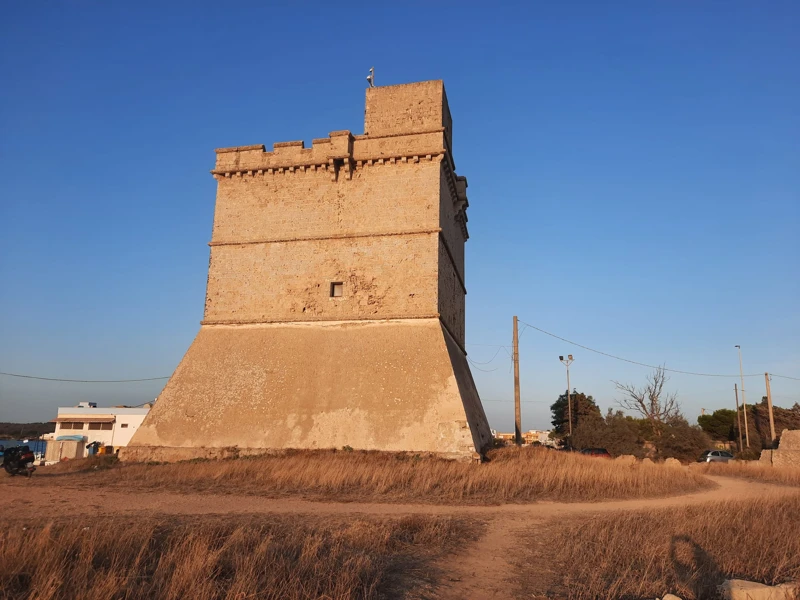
(686, 551)
(81, 465)
(512, 475)
(755, 471)
(160, 558)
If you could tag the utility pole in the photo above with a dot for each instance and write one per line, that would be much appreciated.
(568, 362)
(744, 402)
(517, 411)
(738, 416)
(771, 418)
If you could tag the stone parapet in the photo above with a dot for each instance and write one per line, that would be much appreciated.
(339, 151)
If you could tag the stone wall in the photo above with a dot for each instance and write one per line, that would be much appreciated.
(451, 296)
(788, 452)
(382, 277)
(403, 109)
(376, 199)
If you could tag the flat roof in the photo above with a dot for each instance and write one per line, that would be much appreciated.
(83, 419)
(84, 411)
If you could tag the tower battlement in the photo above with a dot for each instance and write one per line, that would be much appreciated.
(401, 122)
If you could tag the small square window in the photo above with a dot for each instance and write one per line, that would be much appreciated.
(124, 425)
(337, 289)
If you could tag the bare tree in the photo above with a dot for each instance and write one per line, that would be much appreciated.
(650, 400)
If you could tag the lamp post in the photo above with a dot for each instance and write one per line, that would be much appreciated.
(744, 402)
(568, 362)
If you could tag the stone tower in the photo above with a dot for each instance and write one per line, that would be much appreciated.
(334, 309)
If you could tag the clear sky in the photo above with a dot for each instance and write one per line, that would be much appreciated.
(634, 180)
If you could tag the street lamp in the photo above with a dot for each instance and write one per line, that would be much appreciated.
(568, 362)
(744, 402)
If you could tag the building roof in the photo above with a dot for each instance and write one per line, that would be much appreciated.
(83, 419)
(82, 412)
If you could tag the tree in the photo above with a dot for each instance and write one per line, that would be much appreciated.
(622, 435)
(651, 401)
(583, 408)
(680, 440)
(616, 433)
(591, 433)
(758, 417)
(720, 425)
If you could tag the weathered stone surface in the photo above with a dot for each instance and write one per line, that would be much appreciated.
(672, 462)
(788, 452)
(738, 589)
(670, 597)
(647, 461)
(379, 386)
(626, 459)
(280, 360)
(790, 439)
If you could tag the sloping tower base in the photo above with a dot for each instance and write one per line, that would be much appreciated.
(397, 385)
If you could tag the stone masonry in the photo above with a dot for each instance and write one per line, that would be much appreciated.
(334, 311)
(788, 452)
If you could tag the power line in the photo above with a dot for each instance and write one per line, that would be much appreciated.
(488, 361)
(474, 366)
(633, 362)
(472, 362)
(488, 345)
(523, 401)
(81, 380)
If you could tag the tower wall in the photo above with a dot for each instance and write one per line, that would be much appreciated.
(280, 360)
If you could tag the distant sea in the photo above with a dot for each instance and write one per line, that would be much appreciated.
(34, 445)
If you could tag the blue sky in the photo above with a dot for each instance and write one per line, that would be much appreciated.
(634, 180)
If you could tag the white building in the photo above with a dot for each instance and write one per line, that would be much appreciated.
(538, 435)
(109, 426)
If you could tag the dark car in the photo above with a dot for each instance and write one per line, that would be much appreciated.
(596, 452)
(715, 456)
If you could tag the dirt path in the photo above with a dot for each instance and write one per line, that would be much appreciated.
(482, 570)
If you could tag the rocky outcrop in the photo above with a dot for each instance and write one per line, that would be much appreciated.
(672, 462)
(738, 589)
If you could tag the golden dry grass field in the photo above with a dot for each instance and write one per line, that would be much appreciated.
(511, 475)
(754, 471)
(363, 525)
(275, 558)
(686, 551)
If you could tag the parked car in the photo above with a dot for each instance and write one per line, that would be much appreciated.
(715, 456)
(596, 452)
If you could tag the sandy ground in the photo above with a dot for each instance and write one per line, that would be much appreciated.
(482, 570)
